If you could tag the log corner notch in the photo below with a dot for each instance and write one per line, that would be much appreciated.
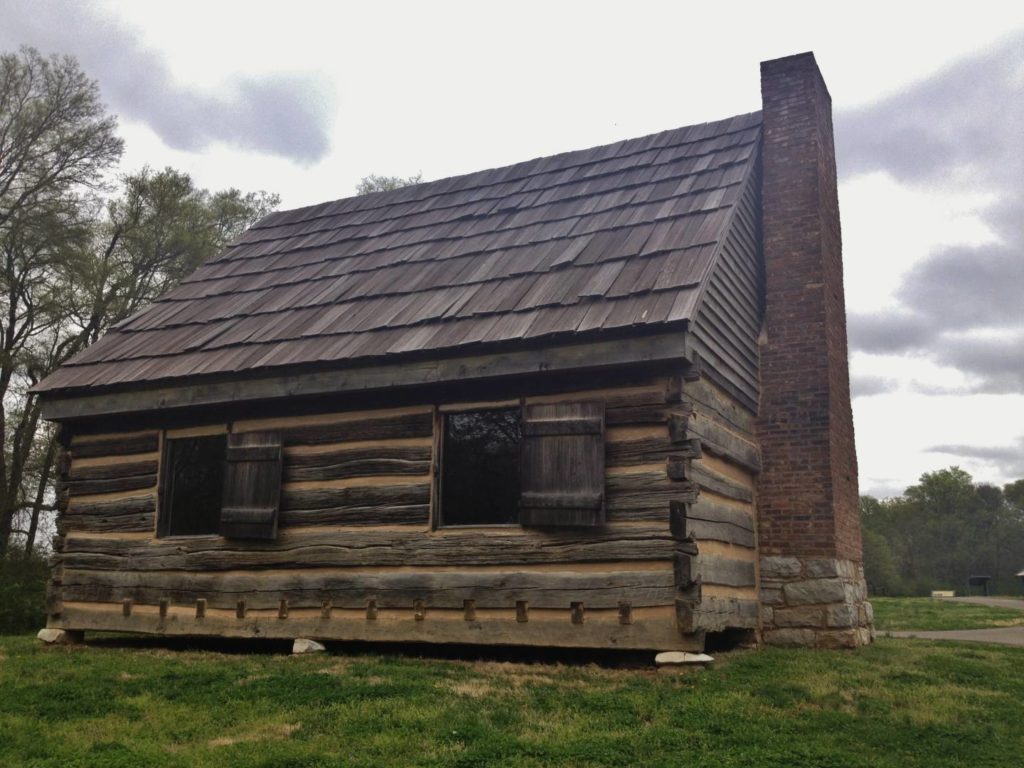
(677, 467)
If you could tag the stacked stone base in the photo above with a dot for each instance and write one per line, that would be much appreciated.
(814, 603)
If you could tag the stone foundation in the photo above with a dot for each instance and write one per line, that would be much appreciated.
(819, 603)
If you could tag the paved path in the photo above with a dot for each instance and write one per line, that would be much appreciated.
(997, 635)
(996, 602)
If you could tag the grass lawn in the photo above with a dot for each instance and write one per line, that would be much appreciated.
(898, 703)
(924, 613)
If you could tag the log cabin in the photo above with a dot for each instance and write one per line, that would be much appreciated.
(593, 400)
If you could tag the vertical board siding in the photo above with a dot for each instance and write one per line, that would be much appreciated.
(728, 321)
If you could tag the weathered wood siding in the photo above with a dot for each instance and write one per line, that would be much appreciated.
(358, 557)
(727, 326)
(722, 521)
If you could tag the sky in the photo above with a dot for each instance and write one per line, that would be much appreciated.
(306, 98)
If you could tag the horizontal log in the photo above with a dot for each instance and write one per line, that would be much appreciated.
(706, 530)
(377, 428)
(409, 514)
(354, 547)
(654, 413)
(629, 405)
(351, 589)
(719, 441)
(111, 485)
(679, 422)
(711, 399)
(647, 451)
(724, 570)
(707, 508)
(357, 462)
(130, 523)
(714, 614)
(357, 505)
(710, 481)
(117, 446)
(112, 471)
(707, 520)
(654, 632)
(644, 495)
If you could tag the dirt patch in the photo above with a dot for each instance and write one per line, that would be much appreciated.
(474, 689)
(338, 669)
(275, 731)
(250, 679)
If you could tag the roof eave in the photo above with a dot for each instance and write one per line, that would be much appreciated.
(664, 346)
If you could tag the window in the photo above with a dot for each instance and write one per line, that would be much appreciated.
(193, 485)
(226, 484)
(539, 466)
(480, 468)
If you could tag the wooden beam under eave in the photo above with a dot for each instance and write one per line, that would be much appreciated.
(582, 356)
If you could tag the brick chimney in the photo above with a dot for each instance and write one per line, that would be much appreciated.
(812, 578)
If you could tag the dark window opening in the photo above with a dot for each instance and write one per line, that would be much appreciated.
(480, 468)
(193, 484)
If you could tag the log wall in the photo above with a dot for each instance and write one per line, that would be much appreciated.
(723, 520)
(358, 555)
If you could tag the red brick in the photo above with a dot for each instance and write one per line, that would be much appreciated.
(807, 492)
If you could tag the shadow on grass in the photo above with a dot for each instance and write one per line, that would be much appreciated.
(573, 657)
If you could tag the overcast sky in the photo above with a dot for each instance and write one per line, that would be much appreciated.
(304, 99)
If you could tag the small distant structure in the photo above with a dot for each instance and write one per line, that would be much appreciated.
(1020, 575)
(942, 594)
(978, 581)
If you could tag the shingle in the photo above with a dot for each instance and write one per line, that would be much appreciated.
(578, 242)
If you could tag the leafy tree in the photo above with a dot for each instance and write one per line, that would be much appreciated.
(941, 531)
(56, 142)
(72, 263)
(374, 183)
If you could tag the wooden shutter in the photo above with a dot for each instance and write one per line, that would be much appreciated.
(562, 465)
(252, 486)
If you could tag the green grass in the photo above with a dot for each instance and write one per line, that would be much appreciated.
(924, 613)
(898, 703)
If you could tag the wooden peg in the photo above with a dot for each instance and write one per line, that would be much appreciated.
(577, 610)
(469, 610)
(325, 609)
(126, 607)
(164, 605)
(282, 610)
(419, 610)
(371, 609)
(625, 613)
(240, 609)
(201, 608)
(522, 611)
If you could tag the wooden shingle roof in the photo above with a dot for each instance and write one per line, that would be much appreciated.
(577, 245)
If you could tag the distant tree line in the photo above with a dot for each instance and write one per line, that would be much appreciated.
(940, 532)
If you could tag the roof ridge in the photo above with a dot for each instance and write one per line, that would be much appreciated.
(743, 122)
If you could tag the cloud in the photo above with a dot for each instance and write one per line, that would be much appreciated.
(892, 332)
(965, 117)
(961, 306)
(867, 386)
(884, 488)
(284, 115)
(1008, 459)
